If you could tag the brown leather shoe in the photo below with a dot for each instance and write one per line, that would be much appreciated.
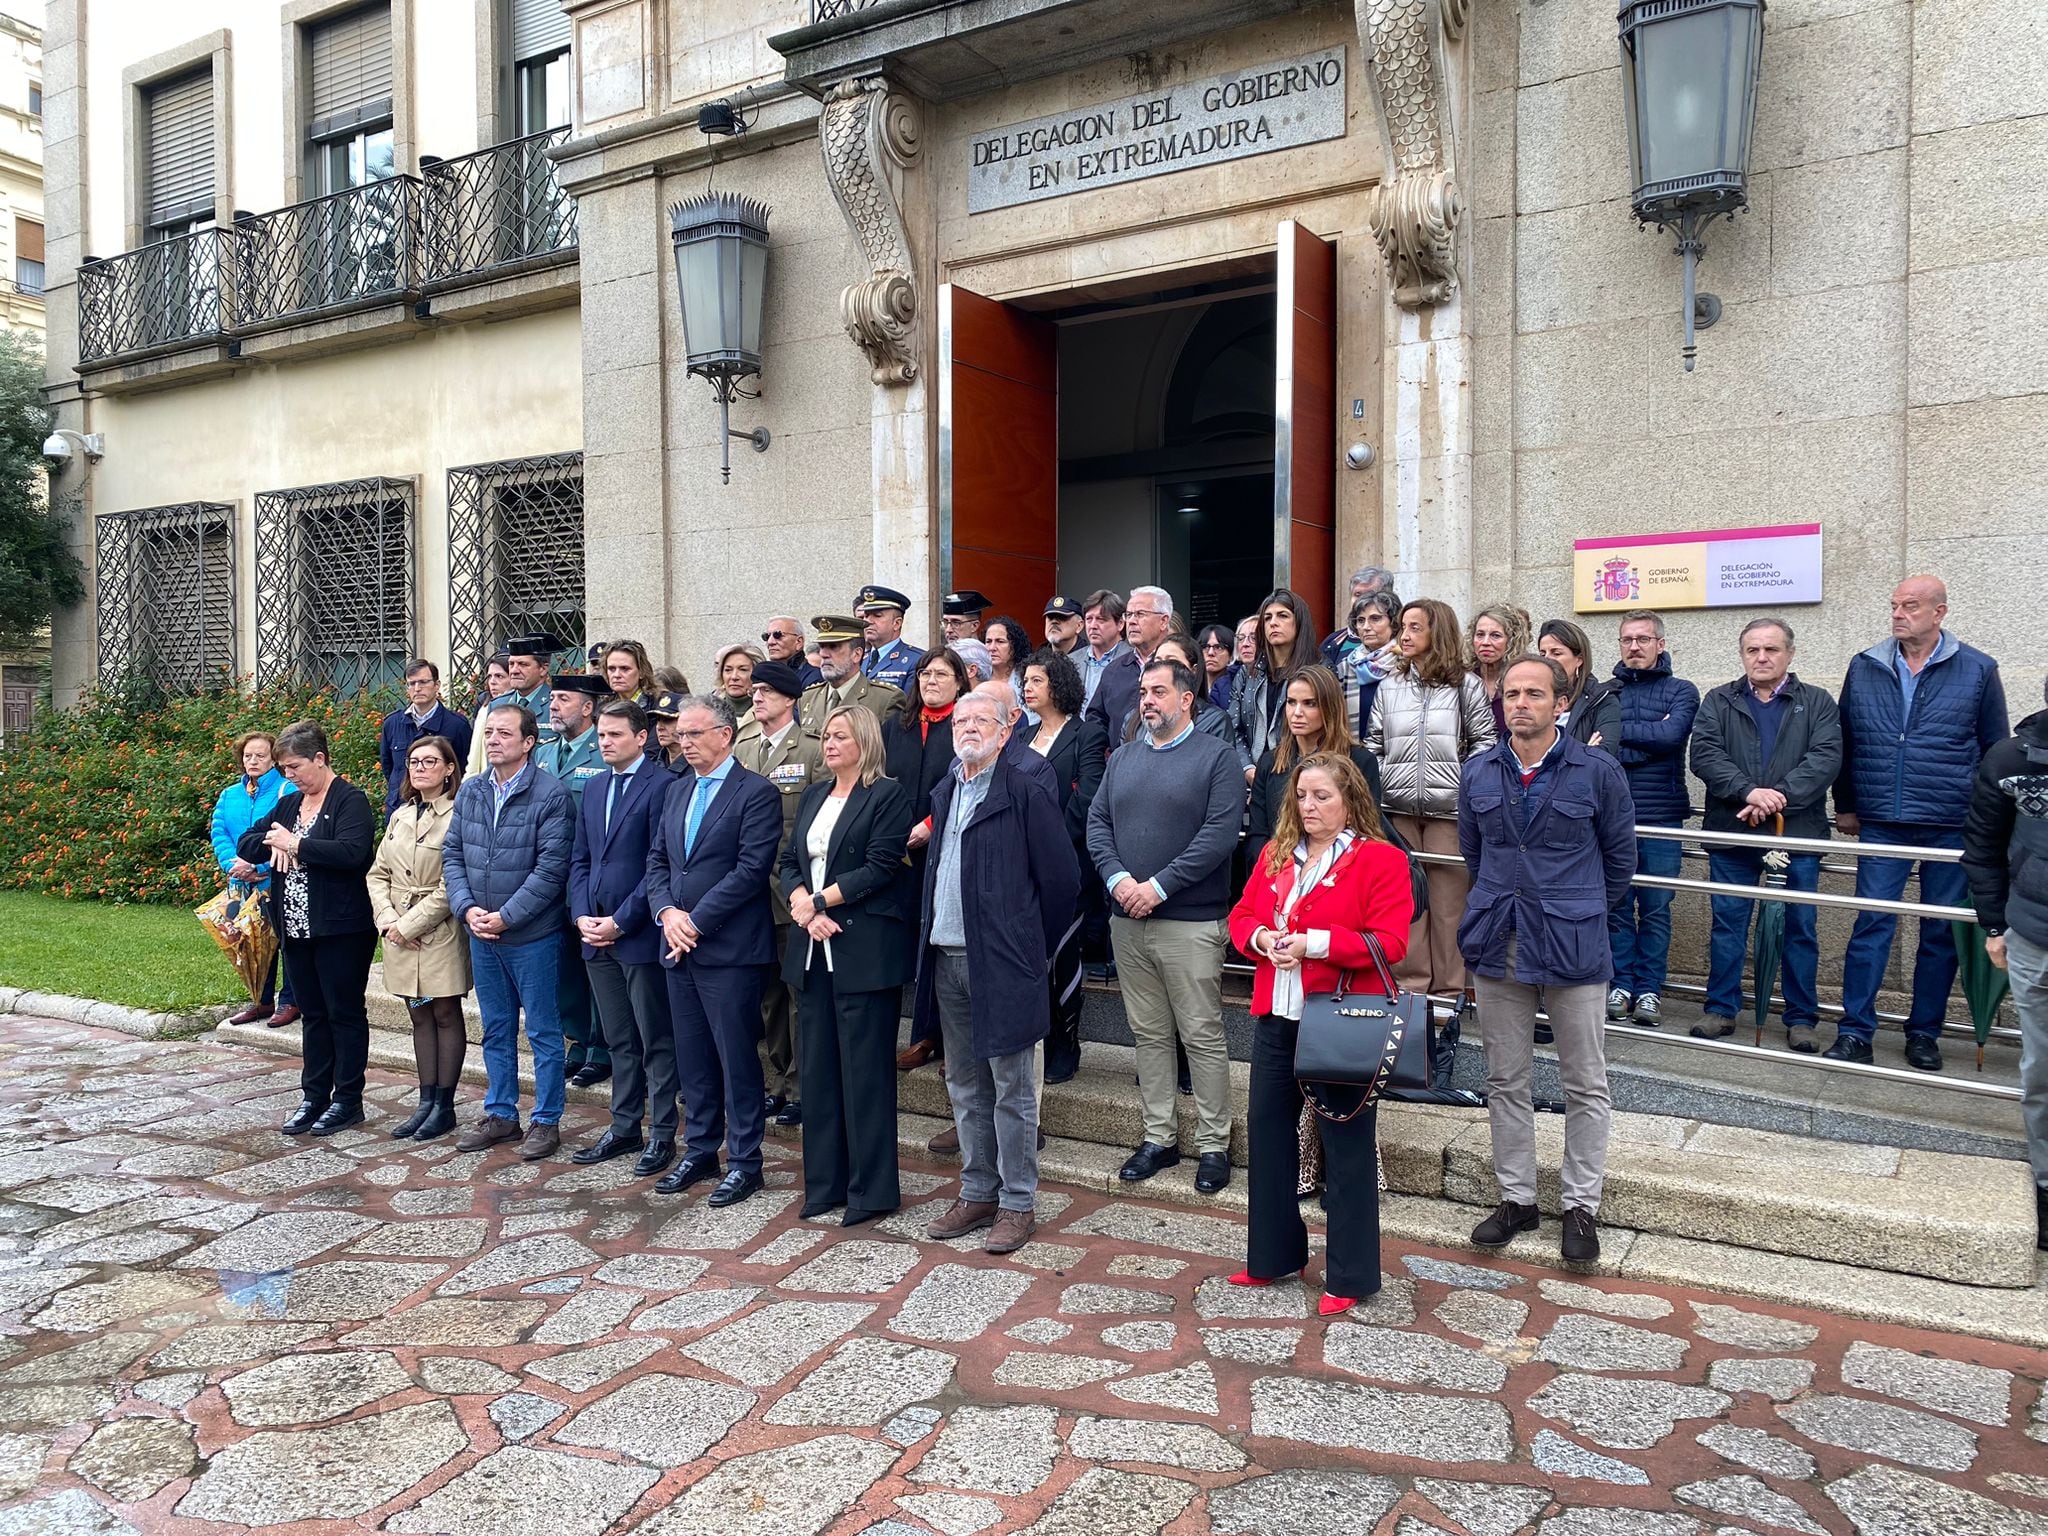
(947, 1140)
(541, 1141)
(255, 1013)
(1012, 1231)
(487, 1132)
(966, 1216)
(916, 1054)
(288, 1014)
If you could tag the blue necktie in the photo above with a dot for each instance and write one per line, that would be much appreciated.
(611, 798)
(699, 799)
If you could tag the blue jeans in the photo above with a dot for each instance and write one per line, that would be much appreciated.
(1639, 926)
(1870, 942)
(1730, 946)
(511, 977)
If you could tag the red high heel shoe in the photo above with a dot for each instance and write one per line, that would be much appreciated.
(1330, 1306)
(1246, 1277)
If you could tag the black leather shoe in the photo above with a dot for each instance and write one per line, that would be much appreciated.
(412, 1122)
(1923, 1053)
(773, 1105)
(1581, 1244)
(659, 1155)
(592, 1074)
(1146, 1161)
(691, 1170)
(339, 1116)
(734, 1188)
(1212, 1172)
(2041, 1216)
(1061, 1066)
(303, 1117)
(791, 1113)
(1848, 1048)
(608, 1146)
(1508, 1218)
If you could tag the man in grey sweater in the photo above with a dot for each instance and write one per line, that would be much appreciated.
(1160, 833)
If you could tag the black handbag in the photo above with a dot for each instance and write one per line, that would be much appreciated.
(1362, 1042)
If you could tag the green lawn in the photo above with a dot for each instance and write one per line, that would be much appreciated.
(157, 958)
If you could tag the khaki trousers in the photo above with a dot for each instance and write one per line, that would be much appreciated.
(1171, 972)
(1433, 963)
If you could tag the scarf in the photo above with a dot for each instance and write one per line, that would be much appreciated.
(927, 717)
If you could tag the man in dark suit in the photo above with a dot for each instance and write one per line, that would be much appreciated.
(707, 885)
(617, 825)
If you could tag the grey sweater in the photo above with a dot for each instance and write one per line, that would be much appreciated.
(1172, 816)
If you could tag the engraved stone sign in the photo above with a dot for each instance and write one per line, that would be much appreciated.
(1204, 122)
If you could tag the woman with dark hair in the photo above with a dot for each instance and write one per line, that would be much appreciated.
(1219, 668)
(1428, 716)
(1326, 881)
(1374, 618)
(1592, 705)
(426, 951)
(1078, 752)
(672, 680)
(1312, 722)
(239, 807)
(1287, 643)
(1009, 646)
(628, 672)
(319, 841)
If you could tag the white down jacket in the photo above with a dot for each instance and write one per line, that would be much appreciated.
(1422, 735)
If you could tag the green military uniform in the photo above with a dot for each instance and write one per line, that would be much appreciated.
(791, 763)
(820, 699)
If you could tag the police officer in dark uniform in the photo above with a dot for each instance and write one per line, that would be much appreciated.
(960, 618)
(890, 658)
(1063, 624)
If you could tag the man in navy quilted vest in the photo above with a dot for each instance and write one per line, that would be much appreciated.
(1919, 711)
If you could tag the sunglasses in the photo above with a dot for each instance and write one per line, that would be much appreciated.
(776, 634)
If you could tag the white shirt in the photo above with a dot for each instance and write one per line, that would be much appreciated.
(1287, 990)
(818, 843)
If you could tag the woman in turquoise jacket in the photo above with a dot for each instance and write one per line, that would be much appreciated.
(240, 806)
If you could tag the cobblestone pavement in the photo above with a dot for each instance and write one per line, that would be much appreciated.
(206, 1327)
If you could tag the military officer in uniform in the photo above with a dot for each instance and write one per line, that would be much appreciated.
(661, 716)
(573, 758)
(890, 658)
(960, 615)
(778, 748)
(526, 682)
(839, 650)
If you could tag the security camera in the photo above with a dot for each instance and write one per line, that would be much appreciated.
(1360, 456)
(55, 447)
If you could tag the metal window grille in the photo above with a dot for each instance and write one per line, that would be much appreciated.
(499, 207)
(827, 10)
(334, 583)
(515, 554)
(166, 594)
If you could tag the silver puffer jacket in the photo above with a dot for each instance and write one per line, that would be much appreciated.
(1422, 736)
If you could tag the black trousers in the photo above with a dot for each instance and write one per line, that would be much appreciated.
(632, 1007)
(1279, 1238)
(330, 977)
(1063, 1045)
(845, 1046)
(715, 1011)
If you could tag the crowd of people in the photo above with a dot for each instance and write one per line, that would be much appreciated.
(714, 900)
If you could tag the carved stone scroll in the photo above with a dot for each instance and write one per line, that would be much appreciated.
(867, 130)
(1415, 211)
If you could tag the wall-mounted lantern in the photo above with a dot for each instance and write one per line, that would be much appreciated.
(1689, 73)
(721, 242)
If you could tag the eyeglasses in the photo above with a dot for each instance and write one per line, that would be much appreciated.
(693, 735)
(1143, 613)
(1215, 645)
(425, 762)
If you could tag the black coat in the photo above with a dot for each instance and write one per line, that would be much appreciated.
(1019, 887)
(864, 858)
(917, 763)
(1078, 757)
(337, 852)
(1598, 710)
(1727, 746)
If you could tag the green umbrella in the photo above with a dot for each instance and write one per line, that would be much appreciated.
(1984, 984)
(1768, 948)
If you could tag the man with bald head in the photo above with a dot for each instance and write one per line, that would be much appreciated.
(1919, 711)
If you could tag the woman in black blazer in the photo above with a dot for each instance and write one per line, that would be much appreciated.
(320, 842)
(852, 921)
(1077, 750)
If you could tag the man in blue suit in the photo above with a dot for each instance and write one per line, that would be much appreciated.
(707, 886)
(616, 827)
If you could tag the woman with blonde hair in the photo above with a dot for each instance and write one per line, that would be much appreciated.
(1497, 634)
(849, 953)
(732, 671)
(1428, 716)
(426, 950)
(629, 673)
(1327, 884)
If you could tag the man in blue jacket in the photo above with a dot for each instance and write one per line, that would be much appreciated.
(1919, 711)
(616, 827)
(1548, 832)
(1657, 712)
(506, 863)
(707, 886)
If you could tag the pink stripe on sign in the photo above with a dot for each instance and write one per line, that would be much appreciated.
(1709, 536)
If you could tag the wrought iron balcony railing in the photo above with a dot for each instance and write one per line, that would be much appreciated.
(828, 10)
(168, 292)
(335, 252)
(500, 207)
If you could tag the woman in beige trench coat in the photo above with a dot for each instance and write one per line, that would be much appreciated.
(426, 953)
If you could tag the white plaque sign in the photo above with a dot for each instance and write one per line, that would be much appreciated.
(1203, 122)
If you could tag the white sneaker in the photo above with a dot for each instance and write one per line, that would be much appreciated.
(1649, 1010)
(1617, 1005)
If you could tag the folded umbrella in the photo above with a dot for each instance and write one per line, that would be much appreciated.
(1768, 949)
(235, 920)
(1984, 984)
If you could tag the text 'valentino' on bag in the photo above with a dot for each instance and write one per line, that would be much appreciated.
(1360, 1041)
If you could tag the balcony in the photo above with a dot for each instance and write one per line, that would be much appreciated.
(488, 233)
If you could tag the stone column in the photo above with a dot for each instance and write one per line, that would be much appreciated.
(74, 649)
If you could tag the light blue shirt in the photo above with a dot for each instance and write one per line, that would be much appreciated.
(501, 791)
(706, 788)
(1944, 646)
(949, 912)
(1093, 666)
(1186, 731)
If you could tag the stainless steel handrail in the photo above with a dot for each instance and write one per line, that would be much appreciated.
(1766, 841)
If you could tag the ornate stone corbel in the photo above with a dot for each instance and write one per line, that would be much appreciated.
(1415, 211)
(866, 130)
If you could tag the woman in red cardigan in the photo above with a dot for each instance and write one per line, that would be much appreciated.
(1328, 878)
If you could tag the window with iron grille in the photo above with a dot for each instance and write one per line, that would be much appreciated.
(515, 555)
(334, 583)
(166, 594)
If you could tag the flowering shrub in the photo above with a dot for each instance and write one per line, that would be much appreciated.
(112, 800)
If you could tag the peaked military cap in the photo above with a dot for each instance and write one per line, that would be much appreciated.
(873, 597)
